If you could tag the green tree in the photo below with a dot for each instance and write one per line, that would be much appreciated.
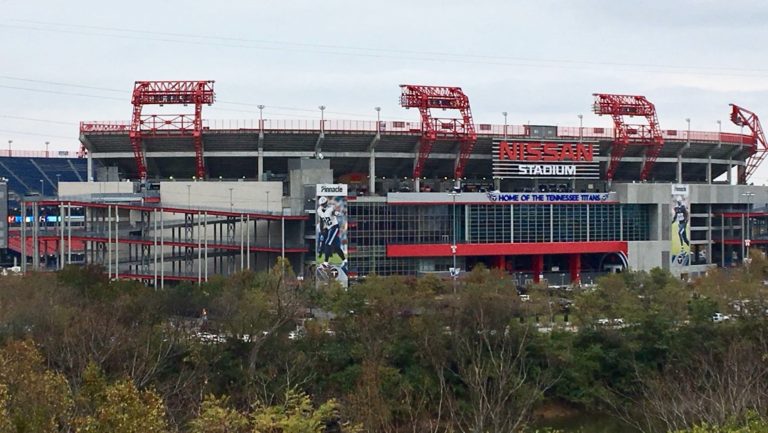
(297, 415)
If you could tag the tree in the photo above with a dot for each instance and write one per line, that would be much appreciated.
(34, 399)
(297, 415)
(488, 374)
(216, 417)
(125, 409)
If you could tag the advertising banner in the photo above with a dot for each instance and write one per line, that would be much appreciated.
(680, 228)
(527, 159)
(331, 233)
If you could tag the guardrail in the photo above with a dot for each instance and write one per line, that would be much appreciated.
(394, 127)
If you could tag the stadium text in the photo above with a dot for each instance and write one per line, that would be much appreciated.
(547, 170)
(545, 151)
(549, 198)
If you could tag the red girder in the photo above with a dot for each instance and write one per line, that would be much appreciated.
(178, 125)
(743, 117)
(618, 106)
(462, 130)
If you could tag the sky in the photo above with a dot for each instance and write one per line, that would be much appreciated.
(540, 61)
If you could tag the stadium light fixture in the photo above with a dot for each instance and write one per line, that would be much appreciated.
(504, 113)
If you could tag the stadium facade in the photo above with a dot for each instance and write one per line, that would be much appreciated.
(187, 199)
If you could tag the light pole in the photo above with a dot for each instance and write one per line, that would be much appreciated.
(10, 142)
(688, 134)
(454, 269)
(378, 119)
(261, 117)
(322, 118)
(504, 113)
(46, 149)
(581, 128)
(747, 233)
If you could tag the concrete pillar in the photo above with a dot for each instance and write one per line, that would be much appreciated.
(89, 170)
(729, 175)
(372, 173)
(679, 169)
(709, 169)
(497, 183)
(260, 169)
(416, 185)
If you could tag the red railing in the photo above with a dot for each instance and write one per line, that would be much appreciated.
(394, 127)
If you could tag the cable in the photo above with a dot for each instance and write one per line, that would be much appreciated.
(7, 131)
(437, 57)
(383, 50)
(58, 83)
(57, 92)
(31, 119)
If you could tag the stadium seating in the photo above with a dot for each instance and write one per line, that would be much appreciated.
(24, 174)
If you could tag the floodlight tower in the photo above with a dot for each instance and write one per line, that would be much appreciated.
(619, 106)
(160, 93)
(462, 129)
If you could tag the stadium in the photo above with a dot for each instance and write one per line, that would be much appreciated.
(171, 197)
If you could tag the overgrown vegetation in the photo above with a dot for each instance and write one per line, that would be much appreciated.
(80, 353)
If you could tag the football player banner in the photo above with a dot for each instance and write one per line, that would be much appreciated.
(680, 227)
(331, 233)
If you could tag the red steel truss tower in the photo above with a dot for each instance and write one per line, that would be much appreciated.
(743, 117)
(618, 106)
(160, 93)
(426, 98)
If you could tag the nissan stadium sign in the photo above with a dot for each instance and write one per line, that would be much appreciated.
(527, 159)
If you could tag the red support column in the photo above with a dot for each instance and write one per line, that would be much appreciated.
(499, 262)
(537, 262)
(574, 263)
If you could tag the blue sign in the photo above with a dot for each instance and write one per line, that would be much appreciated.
(549, 197)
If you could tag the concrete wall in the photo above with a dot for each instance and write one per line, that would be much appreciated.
(645, 193)
(646, 255)
(250, 196)
(71, 189)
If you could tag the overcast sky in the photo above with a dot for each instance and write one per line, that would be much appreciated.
(66, 61)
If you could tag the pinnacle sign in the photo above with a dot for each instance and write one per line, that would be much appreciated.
(525, 159)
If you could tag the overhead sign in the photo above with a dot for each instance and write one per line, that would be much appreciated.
(525, 159)
(551, 197)
(331, 189)
(500, 198)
